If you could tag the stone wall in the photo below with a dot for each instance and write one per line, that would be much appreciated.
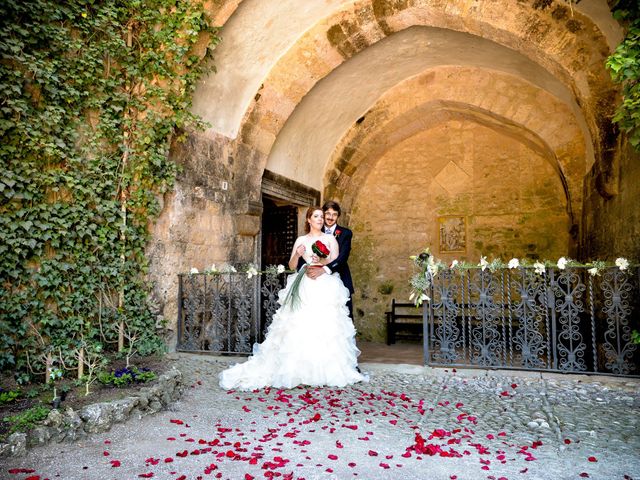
(611, 213)
(510, 196)
(212, 216)
(71, 425)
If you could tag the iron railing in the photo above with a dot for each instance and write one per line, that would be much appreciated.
(561, 320)
(225, 313)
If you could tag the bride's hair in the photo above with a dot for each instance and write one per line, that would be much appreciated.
(310, 210)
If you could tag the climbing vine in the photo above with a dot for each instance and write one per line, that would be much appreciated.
(624, 65)
(93, 94)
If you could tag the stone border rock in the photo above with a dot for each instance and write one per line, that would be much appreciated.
(70, 425)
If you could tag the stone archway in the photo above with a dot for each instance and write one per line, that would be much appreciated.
(513, 105)
(308, 92)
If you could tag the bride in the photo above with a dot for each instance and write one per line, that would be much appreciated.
(311, 340)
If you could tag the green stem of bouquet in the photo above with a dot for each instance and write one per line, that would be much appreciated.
(293, 295)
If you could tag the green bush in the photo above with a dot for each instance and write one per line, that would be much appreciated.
(27, 419)
(126, 376)
(8, 396)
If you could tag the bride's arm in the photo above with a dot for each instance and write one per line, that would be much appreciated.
(334, 250)
(298, 251)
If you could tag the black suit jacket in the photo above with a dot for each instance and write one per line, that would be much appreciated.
(340, 264)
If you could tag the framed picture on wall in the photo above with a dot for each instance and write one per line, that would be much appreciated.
(452, 234)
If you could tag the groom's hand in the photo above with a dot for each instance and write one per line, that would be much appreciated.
(315, 272)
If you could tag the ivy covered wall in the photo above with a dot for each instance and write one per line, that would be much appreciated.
(93, 94)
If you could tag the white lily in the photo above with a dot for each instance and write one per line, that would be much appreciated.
(539, 268)
(454, 264)
(622, 263)
(593, 271)
(193, 271)
(513, 263)
(562, 263)
(280, 268)
(483, 263)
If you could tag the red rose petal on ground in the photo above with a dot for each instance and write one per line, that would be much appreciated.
(567, 441)
(373, 453)
(168, 460)
(21, 470)
(248, 477)
(584, 475)
(514, 385)
(115, 463)
(384, 465)
(332, 457)
(592, 459)
(182, 477)
(146, 475)
(33, 477)
(105, 453)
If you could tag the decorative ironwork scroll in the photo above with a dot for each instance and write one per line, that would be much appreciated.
(565, 320)
(225, 313)
(618, 348)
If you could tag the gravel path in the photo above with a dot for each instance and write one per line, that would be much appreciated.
(408, 422)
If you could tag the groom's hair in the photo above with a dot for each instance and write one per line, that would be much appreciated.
(333, 205)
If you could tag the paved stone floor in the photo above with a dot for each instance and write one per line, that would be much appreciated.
(408, 422)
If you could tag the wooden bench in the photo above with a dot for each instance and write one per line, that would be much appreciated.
(404, 319)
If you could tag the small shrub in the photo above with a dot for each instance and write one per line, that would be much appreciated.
(126, 376)
(8, 396)
(32, 393)
(26, 420)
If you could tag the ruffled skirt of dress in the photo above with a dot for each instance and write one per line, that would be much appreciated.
(312, 344)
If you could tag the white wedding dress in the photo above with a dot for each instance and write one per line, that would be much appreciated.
(310, 344)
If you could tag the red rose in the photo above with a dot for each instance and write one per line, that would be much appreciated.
(320, 249)
(337, 232)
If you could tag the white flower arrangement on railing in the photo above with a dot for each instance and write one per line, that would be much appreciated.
(249, 269)
(428, 267)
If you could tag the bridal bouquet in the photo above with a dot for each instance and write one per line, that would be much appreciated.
(320, 250)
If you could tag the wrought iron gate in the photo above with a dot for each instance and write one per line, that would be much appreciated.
(225, 313)
(562, 320)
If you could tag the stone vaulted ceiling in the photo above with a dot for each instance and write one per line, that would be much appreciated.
(322, 89)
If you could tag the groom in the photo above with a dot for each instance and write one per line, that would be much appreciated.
(343, 235)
